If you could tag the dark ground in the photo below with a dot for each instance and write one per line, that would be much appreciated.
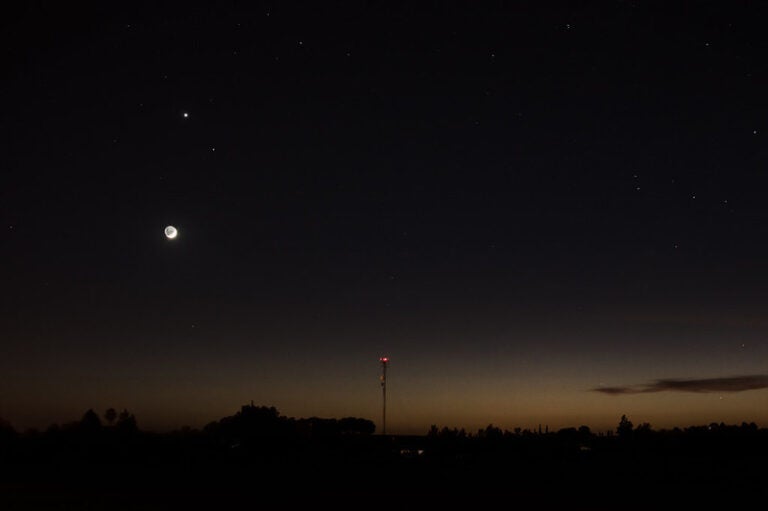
(703, 469)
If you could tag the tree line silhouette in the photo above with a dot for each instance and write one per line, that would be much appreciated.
(257, 443)
(253, 422)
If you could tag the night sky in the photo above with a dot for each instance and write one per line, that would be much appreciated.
(542, 212)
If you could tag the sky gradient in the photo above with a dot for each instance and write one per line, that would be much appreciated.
(520, 205)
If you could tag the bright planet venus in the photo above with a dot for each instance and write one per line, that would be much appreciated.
(171, 232)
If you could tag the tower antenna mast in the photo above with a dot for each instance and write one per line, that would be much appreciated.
(384, 361)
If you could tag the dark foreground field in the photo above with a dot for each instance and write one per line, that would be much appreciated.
(566, 470)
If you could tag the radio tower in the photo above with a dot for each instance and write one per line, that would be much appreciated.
(384, 361)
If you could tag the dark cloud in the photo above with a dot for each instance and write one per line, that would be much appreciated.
(730, 384)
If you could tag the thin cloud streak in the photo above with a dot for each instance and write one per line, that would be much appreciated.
(729, 384)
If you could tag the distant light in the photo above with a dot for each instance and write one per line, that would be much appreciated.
(185, 115)
(384, 359)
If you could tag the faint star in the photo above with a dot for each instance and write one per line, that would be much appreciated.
(185, 115)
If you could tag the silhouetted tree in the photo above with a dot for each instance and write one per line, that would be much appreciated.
(7, 433)
(624, 430)
(490, 432)
(110, 416)
(447, 432)
(570, 434)
(751, 427)
(356, 426)
(254, 422)
(643, 429)
(126, 422)
(90, 421)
